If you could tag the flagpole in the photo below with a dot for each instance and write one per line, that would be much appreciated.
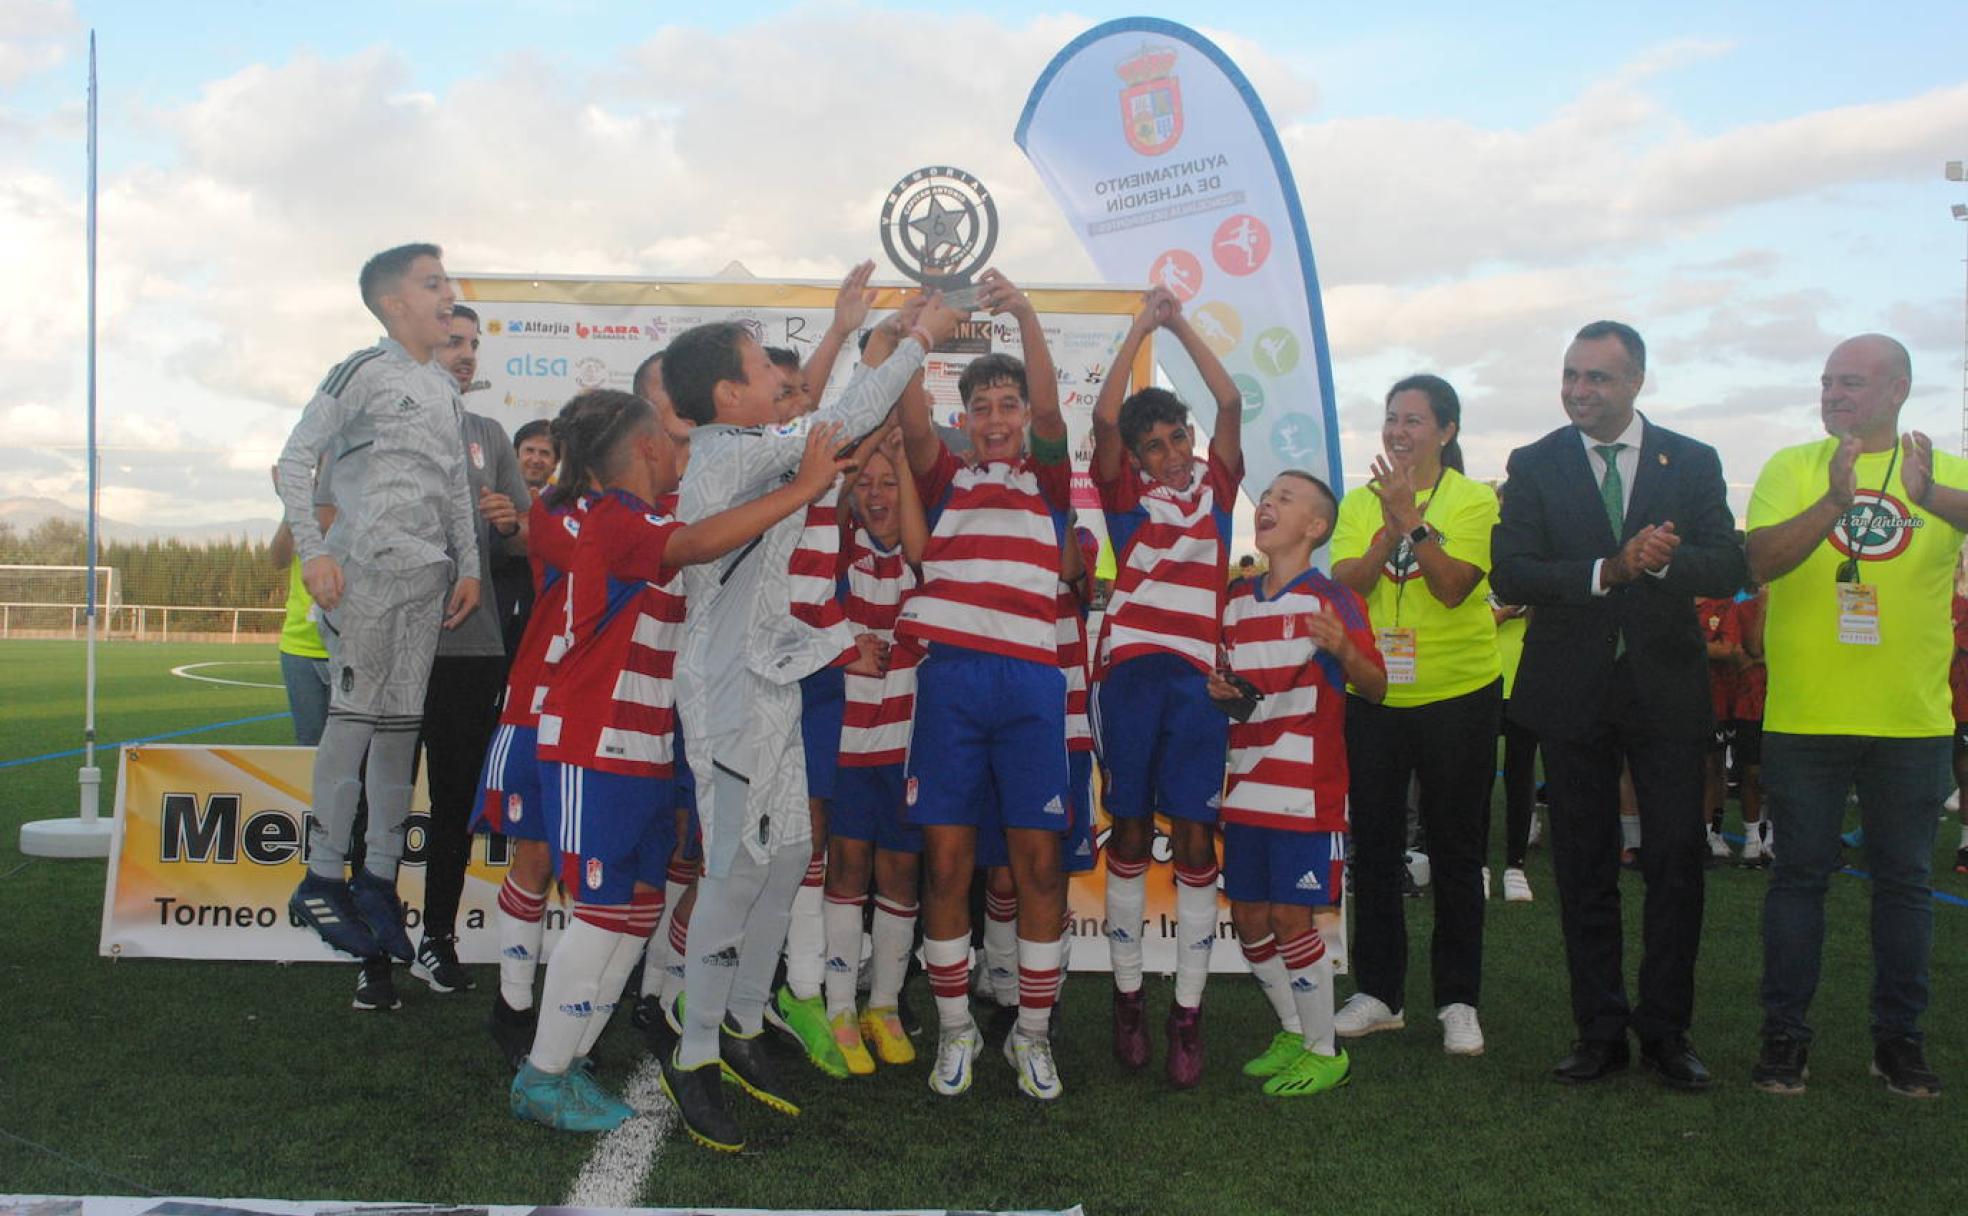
(87, 835)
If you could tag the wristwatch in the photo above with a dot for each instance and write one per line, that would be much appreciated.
(1420, 533)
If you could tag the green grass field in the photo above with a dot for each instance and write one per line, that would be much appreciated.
(250, 1080)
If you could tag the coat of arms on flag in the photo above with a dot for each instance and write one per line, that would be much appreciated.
(1151, 104)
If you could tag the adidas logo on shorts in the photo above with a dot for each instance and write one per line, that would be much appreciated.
(1309, 881)
(1056, 806)
(1215, 802)
(727, 957)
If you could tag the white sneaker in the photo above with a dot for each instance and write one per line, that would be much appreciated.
(1363, 1015)
(1752, 853)
(1718, 848)
(1031, 1058)
(1462, 1034)
(1486, 884)
(1516, 887)
(1536, 837)
(956, 1053)
(1953, 802)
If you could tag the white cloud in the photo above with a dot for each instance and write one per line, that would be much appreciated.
(35, 36)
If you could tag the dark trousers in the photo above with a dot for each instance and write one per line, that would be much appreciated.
(1582, 779)
(1450, 746)
(461, 710)
(1520, 748)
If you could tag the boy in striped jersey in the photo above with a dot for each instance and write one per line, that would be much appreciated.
(1294, 639)
(608, 723)
(868, 837)
(990, 698)
(1161, 745)
(400, 559)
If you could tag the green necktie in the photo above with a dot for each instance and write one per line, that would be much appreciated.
(1611, 488)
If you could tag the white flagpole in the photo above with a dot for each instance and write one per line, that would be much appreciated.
(88, 834)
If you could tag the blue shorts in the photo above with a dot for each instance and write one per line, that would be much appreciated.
(867, 806)
(612, 831)
(509, 799)
(984, 720)
(823, 698)
(1276, 866)
(691, 842)
(1076, 852)
(1162, 742)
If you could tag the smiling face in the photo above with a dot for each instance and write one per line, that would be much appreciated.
(459, 354)
(1598, 387)
(418, 309)
(1293, 516)
(1167, 454)
(536, 460)
(1861, 392)
(876, 492)
(995, 418)
(1410, 435)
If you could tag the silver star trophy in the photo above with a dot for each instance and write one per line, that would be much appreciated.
(939, 227)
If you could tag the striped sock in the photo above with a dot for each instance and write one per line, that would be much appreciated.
(806, 933)
(1001, 946)
(645, 908)
(1195, 932)
(1127, 912)
(521, 926)
(1269, 972)
(894, 932)
(1311, 988)
(842, 915)
(948, 964)
(1038, 986)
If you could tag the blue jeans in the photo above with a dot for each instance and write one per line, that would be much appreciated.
(307, 695)
(1901, 783)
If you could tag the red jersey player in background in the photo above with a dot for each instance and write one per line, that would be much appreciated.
(1723, 663)
(1293, 640)
(1744, 632)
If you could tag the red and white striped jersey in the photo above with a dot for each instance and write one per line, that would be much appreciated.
(875, 720)
(550, 537)
(1172, 552)
(611, 705)
(992, 565)
(1072, 607)
(1288, 762)
(815, 563)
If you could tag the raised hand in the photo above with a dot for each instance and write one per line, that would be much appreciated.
(497, 510)
(1329, 635)
(855, 299)
(1917, 466)
(1844, 474)
(938, 319)
(1394, 486)
(999, 295)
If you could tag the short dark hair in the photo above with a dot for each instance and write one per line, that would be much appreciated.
(652, 366)
(1147, 408)
(1332, 499)
(995, 368)
(537, 429)
(781, 357)
(589, 434)
(381, 274)
(1629, 337)
(1443, 403)
(701, 358)
(466, 311)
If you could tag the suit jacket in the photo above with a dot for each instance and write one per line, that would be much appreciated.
(1553, 527)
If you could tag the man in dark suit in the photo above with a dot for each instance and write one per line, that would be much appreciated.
(1610, 528)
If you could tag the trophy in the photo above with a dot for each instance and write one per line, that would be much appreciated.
(939, 227)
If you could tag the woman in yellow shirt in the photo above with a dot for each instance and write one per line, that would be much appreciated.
(1416, 546)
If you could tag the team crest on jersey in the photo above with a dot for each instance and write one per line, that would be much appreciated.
(515, 806)
(1877, 527)
(797, 426)
(594, 873)
(477, 455)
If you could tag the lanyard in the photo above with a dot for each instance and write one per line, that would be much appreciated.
(1850, 520)
(1401, 587)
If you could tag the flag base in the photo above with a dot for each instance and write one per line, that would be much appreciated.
(83, 838)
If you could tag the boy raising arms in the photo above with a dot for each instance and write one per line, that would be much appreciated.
(1296, 639)
(1160, 743)
(388, 419)
(990, 697)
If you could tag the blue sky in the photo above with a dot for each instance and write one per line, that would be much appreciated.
(1746, 182)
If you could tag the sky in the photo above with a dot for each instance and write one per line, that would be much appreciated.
(1746, 184)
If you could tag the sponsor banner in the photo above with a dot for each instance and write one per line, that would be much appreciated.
(542, 340)
(1162, 157)
(211, 841)
(108, 1205)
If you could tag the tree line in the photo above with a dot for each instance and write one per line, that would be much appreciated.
(232, 573)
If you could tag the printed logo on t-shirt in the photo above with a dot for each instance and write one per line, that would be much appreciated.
(1877, 527)
(1401, 564)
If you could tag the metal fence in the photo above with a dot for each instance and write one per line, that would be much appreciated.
(142, 622)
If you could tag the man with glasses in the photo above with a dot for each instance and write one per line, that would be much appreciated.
(1856, 535)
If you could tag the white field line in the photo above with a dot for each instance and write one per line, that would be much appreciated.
(615, 1172)
(186, 672)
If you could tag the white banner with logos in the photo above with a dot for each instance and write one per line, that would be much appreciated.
(1167, 167)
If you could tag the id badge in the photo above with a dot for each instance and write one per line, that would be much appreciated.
(1397, 647)
(1858, 614)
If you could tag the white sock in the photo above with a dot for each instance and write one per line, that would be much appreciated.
(806, 935)
(1629, 831)
(522, 924)
(1038, 985)
(1269, 972)
(672, 977)
(895, 936)
(608, 992)
(1195, 932)
(948, 964)
(1001, 946)
(567, 999)
(1332, 931)
(1065, 947)
(1127, 913)
(1964, 835)
(842, 916)
(656, 962)
(1310, 972)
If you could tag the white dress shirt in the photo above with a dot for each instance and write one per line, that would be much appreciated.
(1628, 462)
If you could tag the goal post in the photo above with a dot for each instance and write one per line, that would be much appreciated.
(25, 584)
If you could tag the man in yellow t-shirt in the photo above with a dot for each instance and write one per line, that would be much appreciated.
(1856, 535)
(303, 658)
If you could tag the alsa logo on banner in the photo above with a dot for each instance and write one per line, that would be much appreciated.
(1151, 104)
(536, 365)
